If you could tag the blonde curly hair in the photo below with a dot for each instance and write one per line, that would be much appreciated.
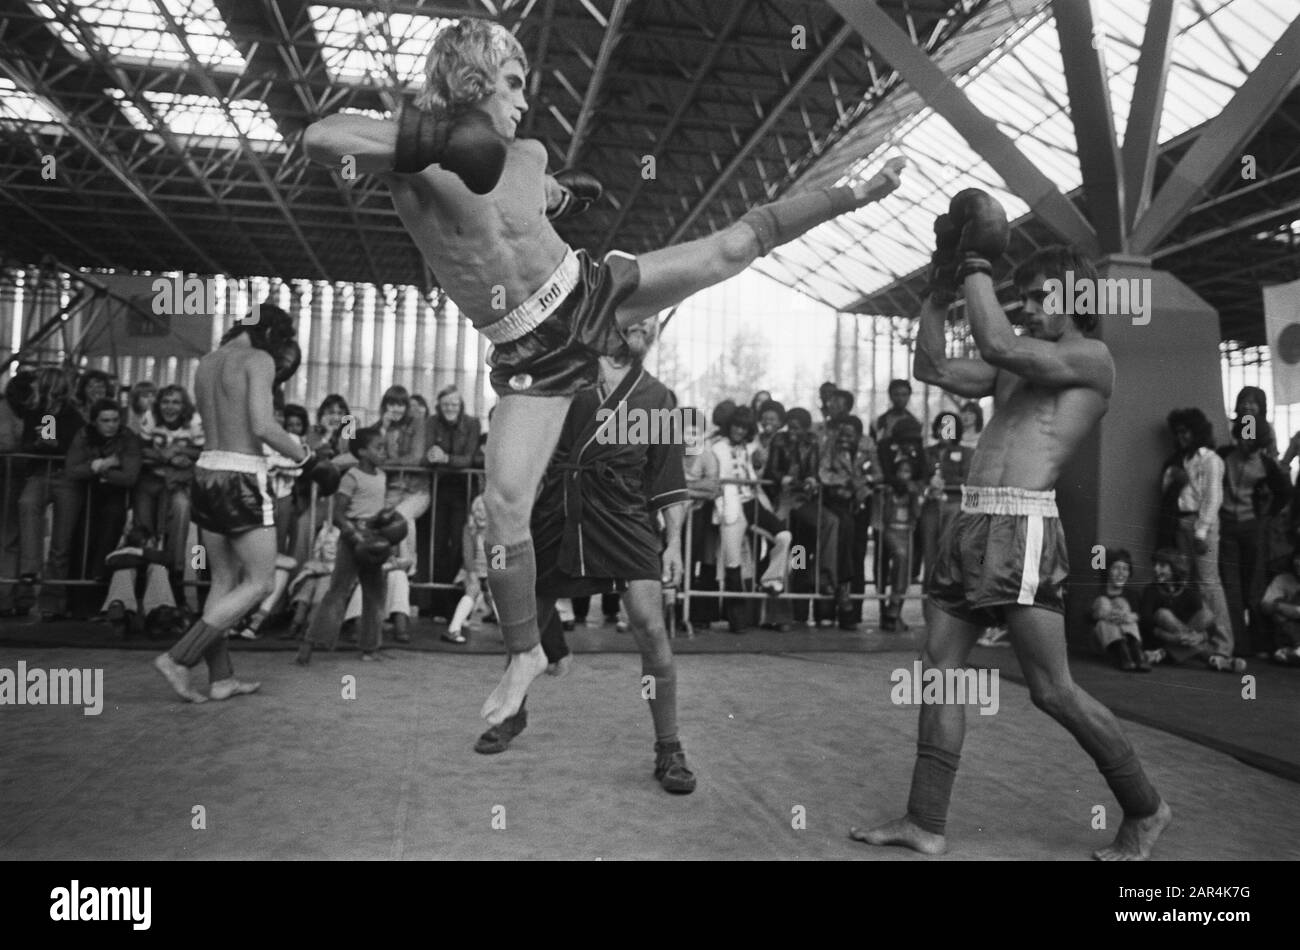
(464, 61)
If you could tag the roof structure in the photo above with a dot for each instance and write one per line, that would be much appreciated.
(175, 129)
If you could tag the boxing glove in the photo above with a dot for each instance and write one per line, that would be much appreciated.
(371, 550)
(466, 145)
(579, 191)
(943, 262)
(389, 525)
(984, 231)
(325, 474)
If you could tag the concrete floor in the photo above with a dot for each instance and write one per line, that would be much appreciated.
(298, 772)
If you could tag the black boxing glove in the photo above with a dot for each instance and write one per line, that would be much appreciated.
(466, 145)
(389, 525)
(579, 191)
(943, 262)
(984, 231)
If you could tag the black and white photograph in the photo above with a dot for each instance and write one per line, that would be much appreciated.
(651, 431)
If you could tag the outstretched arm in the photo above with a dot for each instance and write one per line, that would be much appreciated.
(1077, 362)
(371, 143)
(962, 377)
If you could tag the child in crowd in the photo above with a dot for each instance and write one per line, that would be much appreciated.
(1115, 616)
(900, 513)
(474, 573)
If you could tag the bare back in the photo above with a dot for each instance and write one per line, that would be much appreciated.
(1036, 428)
(222, 392)
(489, 252)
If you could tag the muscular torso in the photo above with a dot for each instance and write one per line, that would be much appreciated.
(221, 392)
(1033, 432)
(489, 252)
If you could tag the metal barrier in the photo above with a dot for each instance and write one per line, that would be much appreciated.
(473, 480)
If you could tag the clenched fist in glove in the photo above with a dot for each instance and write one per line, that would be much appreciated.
(985, 233)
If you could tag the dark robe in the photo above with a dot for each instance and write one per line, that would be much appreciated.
(594, 522)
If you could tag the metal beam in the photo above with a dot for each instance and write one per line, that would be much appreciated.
(1140, 145)
(1239, 224)
(76, 242)
(686, 100)
(1221, 141)
(210, 87)
(539, 64)
(1094, 126)
(613, 34)
(796, 89)
(110, 162)
(1020, 175)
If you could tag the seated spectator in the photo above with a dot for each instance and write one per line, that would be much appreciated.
(1115, 615)
(251, 627)
(284, 473)
(1281, 604)
(139, 406)
(474, 574)
(48, 430)
(103, 465)
(793, 464)
(328, 438)
(900, 512)
(17, 396)
(93, 386)
(1255, 488)
(309, 586)
(972, 423)
(845, 474)
(948, 464)
(135, 564)
(453, 448)
(1176, 621)
(172, 443)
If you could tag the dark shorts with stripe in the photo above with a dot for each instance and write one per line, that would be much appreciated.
(231, 500)
(559, 356)
(987, 562)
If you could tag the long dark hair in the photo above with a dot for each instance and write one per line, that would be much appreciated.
(1195, 422)
(187, 406)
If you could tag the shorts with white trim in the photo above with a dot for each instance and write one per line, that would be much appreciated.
(549, 345)
(1005, 547)
(231, 493)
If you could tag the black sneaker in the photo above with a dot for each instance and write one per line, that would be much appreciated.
(498, 738)
(671, 770)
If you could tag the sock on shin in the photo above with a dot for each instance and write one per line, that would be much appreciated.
(190, 648)
(783, 221)
(1129, 783)
(662, 698)
(932, 778)
(513, 592)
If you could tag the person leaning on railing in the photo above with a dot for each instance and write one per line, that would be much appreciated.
(453, 446)
(172, 444)
(12, 472)
(49, 426)
(102, 467)
(701, 561)
(327, 439)
(404, 447)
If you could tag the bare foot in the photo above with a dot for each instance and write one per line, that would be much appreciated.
(510, 692)
(560, 667)
(224, 689)
(179, 678)
(1136, 837)
(901, 831)
(882, 183)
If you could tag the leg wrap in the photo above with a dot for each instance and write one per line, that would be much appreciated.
(192, 647)
(513, 590)
(1129, 783)
(932, 778)
(783, 221)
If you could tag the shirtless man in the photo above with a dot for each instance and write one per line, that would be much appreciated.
(231, 499)
(1003, 558)
(478, 202)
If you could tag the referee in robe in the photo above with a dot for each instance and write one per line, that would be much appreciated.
(595, 531)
